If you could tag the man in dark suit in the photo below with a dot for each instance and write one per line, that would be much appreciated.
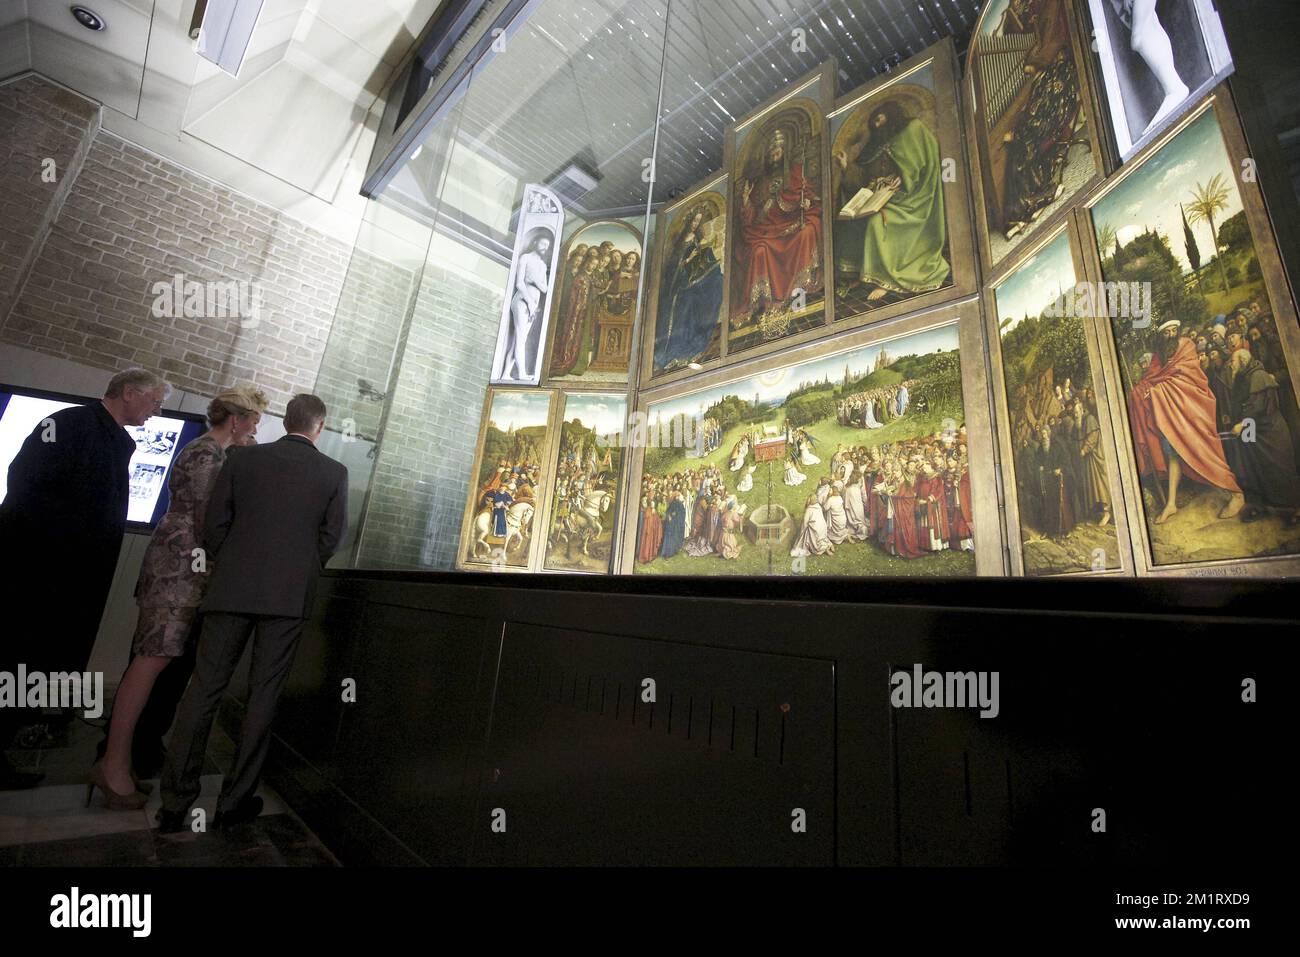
(61, 528)
(277, 514)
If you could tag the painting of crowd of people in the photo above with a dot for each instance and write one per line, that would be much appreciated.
(1062, 487)
(509, 482)
(851, 464)
(1034, 126)
(890, 232)
(1212, 408)
(600, 285)
(585, 505)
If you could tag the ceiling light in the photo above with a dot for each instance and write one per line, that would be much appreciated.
(88, 18)
(225, 31)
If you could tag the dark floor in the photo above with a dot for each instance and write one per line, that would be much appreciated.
(51, 826)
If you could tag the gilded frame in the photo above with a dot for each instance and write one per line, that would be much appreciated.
(720, 183)
(1276, 286)
(559, 407)
(942, 59)
(1100, 376)
(547, 379)
(547, 453)
(966, 316)
(819, 86)
(981, 163)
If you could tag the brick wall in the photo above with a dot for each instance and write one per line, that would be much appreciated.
(371, 311)
(38, 121)
(417, 492)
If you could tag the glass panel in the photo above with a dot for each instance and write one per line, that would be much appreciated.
(541, 109)
(356, 370)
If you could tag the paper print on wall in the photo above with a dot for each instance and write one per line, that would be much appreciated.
(777, 260)
(584, 509)
(851, 464)
(1062, 486)
(890, 234)
(688, 321)
(1211, 405)
(598, 304)
(1031, 121)
(522, 336)
(510, 476)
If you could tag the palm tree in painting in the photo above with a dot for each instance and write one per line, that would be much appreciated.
(1106, 238)
(1210, 199)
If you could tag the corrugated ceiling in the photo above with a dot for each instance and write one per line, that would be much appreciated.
(581, 79)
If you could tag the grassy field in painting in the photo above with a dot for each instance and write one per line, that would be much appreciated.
(850, 558)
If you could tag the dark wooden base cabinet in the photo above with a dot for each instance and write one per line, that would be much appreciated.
(511, 720)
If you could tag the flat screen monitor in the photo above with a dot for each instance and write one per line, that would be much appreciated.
(157, 443)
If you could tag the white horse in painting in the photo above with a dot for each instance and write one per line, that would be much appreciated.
(584, 521)
(519, 523)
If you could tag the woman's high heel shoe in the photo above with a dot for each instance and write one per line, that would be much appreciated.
(132, 801)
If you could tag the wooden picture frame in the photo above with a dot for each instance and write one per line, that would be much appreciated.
(668, 226)
(926, 84)
(603, 330)
(998, 64)
(612, 519)
(1116, 556)
(469, 556)
(813, 93)
(1273, 279)
(962, 320)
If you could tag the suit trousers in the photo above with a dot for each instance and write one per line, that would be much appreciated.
(220, 647)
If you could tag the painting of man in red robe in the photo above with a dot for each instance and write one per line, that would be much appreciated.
(777, 278)
(1174, 431)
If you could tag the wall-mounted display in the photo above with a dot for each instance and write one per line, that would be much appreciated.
(511, 467)
(868, 455)
(600, 291)
(1157, 59)
(522, 336)
(689, 284)
(901, 235)
(779, 222)
(1059, 475)
(588, 475)
(1208, 376)
(1035, 141)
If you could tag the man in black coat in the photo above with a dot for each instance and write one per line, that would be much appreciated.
(61, 527)
(277, 514)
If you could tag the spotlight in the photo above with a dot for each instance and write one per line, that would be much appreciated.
(88, 18)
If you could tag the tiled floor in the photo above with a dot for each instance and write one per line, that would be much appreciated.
(51, 826)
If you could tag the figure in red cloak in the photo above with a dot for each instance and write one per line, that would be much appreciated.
(778, 251)
(1174, 432)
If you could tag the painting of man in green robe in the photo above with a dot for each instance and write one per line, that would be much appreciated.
(890, 231)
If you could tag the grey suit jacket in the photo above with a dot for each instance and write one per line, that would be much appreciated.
(277, 514)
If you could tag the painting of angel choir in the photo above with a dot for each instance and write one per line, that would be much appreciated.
(911, 498)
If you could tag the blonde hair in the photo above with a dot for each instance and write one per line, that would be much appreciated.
(237, 401)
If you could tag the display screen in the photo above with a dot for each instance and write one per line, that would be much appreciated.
(157, 443)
